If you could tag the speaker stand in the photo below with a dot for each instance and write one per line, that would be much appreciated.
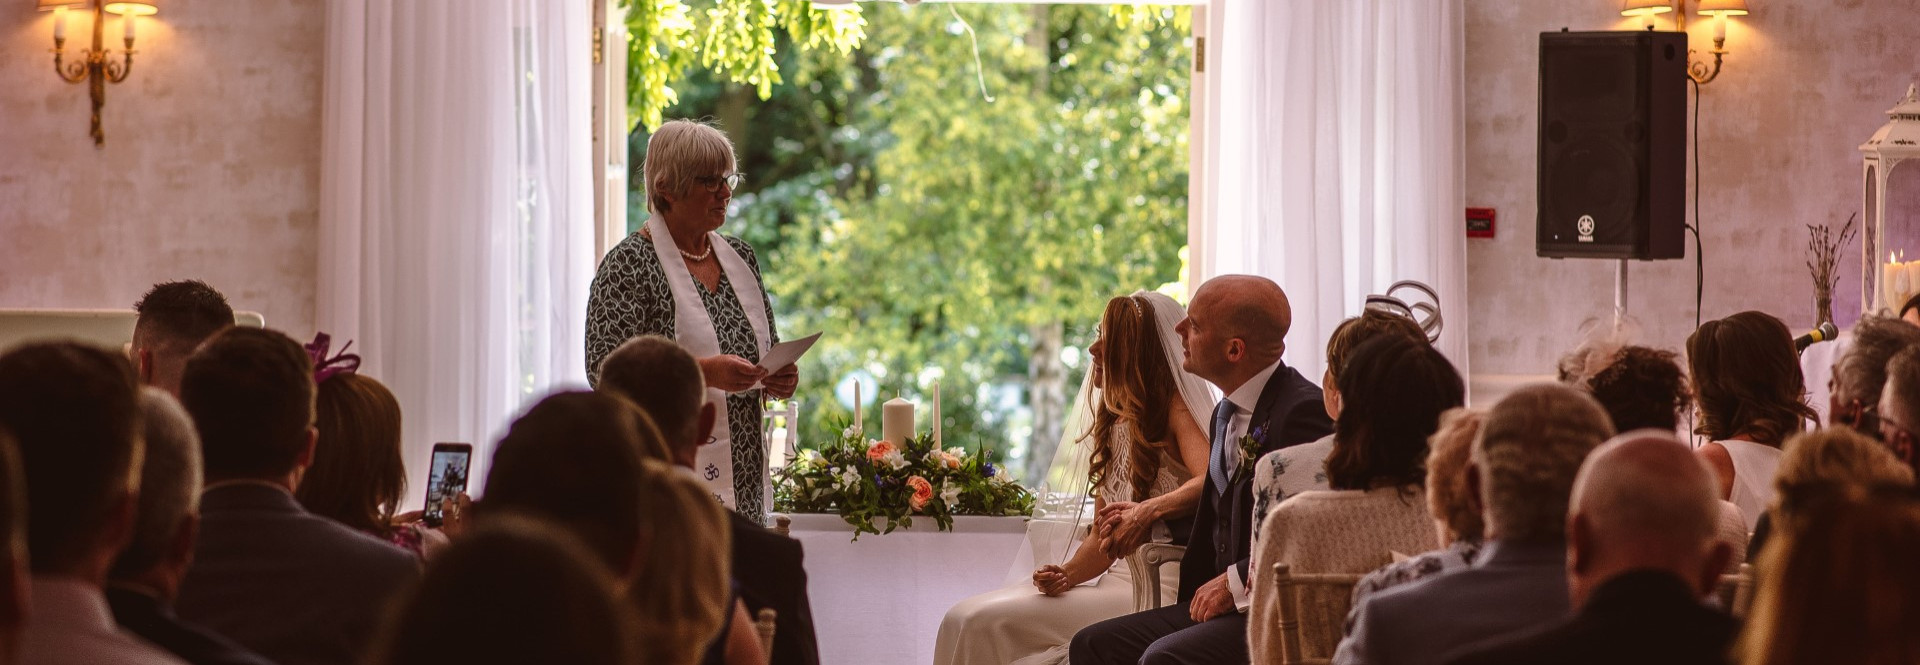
(1620, 294)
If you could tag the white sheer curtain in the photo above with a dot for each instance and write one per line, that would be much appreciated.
(1336, 143)
(456, 207)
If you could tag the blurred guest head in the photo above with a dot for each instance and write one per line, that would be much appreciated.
(168, 517)
(1524, 461)
(1393, 390)
(173, 319)
(1900, 406)
(1450, 498)
(13, 548)
(1831, 457)
(664, 379)
(514, 590)
(1349, 335)
(572, 460)
(250, 392)
(74, 410)
(1861, 373)
(1644, 501)
(1641, 388)
(1746, 379)
(357, 477)
(682, 591)
(1839, 586)
(1910, 310)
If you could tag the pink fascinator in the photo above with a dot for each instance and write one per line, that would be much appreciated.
(324, 367)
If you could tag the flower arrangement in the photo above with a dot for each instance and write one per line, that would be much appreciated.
(864, 480)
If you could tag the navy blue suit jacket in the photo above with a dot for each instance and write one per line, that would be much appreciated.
(1292, 411)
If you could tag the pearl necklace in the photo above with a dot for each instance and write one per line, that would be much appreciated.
(696, 258)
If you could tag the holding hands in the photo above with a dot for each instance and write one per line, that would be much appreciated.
(1124, 526)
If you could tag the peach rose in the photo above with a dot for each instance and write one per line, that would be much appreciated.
(878, 451)
(922, 492)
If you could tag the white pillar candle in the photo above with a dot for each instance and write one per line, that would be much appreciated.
(858, 428)
(896, 421)
(936, 414)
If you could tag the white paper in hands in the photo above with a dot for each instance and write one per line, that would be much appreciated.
(786, 353)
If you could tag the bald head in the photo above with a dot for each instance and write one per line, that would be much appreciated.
(1644, 501)
(1252, 308)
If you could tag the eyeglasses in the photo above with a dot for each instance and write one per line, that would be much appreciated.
(712, 182)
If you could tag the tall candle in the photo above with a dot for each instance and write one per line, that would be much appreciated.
(858, 428)
(896, 421)
(936, 414)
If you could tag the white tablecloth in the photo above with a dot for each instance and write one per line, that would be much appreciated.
(878, 601)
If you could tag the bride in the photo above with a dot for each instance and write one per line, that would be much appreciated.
(1135, 437)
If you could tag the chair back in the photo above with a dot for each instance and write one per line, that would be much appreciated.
(1742, 592)
(1145, 564)
(763, 626)
(1312, 614)
(783, 525)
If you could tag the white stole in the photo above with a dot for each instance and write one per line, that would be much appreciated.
(693, 328)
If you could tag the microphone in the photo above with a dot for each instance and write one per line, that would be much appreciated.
(1823, 333)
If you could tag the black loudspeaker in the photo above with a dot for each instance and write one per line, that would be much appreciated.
(1613, 128)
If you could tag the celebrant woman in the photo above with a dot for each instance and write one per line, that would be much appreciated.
(1134, 437)
(679, 278)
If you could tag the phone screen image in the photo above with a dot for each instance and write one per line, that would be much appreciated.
(446, 478)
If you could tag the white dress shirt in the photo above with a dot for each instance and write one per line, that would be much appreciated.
(69, 622)
(1244, 399)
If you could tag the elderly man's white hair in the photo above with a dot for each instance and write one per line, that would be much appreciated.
(170, 481)
(1528, 451)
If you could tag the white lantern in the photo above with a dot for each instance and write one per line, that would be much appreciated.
(1896, 142)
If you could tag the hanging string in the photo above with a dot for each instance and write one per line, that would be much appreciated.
(979, 71)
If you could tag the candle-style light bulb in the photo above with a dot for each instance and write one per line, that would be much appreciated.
(1719, 28)
(127, 20)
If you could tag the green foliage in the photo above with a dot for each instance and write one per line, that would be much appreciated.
(866, 481)
(736, 39)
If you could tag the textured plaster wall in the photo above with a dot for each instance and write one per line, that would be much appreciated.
(211, 167)
(1806, 83)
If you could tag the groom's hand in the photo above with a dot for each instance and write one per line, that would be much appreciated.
(1211, 600)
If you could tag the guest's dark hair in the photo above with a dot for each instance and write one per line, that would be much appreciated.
(250, 392)
(1642, 388)
(1137, 387)
(1746, 379)
(514, 590)
(177, 316)
(1839, 584)
(1862, 371)
(664, 379)
(1393, 391)
(13, 513)
(1353, 332)
(357, 477)
(74, 411)
(574, 460)
(1911, 304)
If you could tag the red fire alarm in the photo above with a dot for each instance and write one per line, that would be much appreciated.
(1479, 222)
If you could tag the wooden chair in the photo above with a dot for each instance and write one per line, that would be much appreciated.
(763, 626)
(783, 525)
(1312, 614)
(1145, 565)
(1734, 592)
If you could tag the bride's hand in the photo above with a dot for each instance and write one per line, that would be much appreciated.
(1051, 580)
(1125, 526)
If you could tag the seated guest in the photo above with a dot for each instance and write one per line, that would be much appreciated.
(1910, 310)
(357, 476)
(1861, 372)
(1393, 391)
(664, 379)
(1295, 469)
(295, 587)
(516, 590)
(172, 320)
(146, 578)
(1832, 457)
(572, 461)
(1641, 388)
(1641, 556)
(13, 549)
(1747, 383)
(1838, 586)
(1234, 336)
(1451, 502)
(1524, 462)
(74, 410)
(1900, 408)
(681, 592)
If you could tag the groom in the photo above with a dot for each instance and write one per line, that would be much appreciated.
(1234, 333)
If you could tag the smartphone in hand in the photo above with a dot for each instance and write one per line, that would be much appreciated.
(446, 478)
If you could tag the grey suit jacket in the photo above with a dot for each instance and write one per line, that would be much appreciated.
(1511, 587)
(292, 586)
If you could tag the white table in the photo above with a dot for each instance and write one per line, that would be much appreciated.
(878, 601)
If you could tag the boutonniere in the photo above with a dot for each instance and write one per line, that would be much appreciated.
(1250, 446)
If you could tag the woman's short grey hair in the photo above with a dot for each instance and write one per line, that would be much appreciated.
(1862, 372)
(170, 481)
(1529, 449)
(680, 151)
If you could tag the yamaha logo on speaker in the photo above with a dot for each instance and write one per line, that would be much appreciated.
(1585, 227)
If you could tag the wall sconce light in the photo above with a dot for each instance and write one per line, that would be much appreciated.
(96, 70)
(1718, 9)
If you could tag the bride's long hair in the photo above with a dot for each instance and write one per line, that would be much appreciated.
(1135, 386)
